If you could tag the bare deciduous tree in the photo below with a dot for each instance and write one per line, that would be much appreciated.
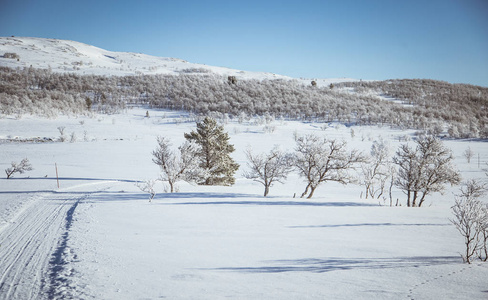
(20, 168)
(268, 168)
(468, 154)
(175, 167)
(471, 219)
(375, 171)
(484, 234)
(319, 160)
(424, 170)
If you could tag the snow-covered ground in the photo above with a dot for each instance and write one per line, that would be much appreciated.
(98, 237)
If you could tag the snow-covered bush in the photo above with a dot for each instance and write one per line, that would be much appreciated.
(73, 137)
(11, 55)
(269, 128)
(62, 136)
(20, 168)
(148, 187)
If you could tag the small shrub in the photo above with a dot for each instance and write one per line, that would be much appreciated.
(20, 168)
(62, 136)
(11, 55)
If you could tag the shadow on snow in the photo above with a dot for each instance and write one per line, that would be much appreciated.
(337, 264)
(217, 199)
(69, 179)
(276, 203)
(370, 224)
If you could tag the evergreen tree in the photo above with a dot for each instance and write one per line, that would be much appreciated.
(213, 154)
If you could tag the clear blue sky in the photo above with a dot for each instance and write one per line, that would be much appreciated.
(438, 39)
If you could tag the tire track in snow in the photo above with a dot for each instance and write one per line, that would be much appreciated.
(32, 241)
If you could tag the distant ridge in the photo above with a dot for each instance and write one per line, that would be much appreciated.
(74, 57)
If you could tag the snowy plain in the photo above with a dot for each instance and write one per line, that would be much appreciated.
(105, 240)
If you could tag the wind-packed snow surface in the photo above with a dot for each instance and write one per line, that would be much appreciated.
(98, 237)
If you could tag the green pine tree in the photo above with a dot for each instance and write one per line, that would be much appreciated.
(218, 166)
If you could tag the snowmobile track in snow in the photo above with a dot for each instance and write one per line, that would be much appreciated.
(33, 243)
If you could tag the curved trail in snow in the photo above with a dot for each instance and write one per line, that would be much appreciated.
(32, 243)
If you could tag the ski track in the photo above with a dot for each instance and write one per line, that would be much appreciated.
(32, 245)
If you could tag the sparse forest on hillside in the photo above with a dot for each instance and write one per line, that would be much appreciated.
(426, 105)
(463, 107)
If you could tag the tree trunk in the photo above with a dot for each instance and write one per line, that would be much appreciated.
(389, 191)
(414, 200)
(306, 191)
(422, 199)
(485, 246)
(380, 194)
(266, 190)
(171, 186)
(408, 198)
(312, 189)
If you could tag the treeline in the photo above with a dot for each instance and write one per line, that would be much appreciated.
(429, 106)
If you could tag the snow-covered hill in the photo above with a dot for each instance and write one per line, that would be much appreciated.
(71, 56)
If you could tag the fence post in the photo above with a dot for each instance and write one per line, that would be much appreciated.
(57, 177)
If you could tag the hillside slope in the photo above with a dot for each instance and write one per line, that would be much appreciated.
(75, 57)
(71, 56)
(46, 77)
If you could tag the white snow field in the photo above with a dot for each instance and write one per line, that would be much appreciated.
(98, 237)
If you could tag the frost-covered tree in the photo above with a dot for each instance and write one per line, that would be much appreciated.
(20, 168)
(468, 154)
(268, 168)
(213, 153)
(375, 171)
(424, 170)
(471, 219)
(319, 160)
(175, 167)
(483, 252)
(148, 187)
